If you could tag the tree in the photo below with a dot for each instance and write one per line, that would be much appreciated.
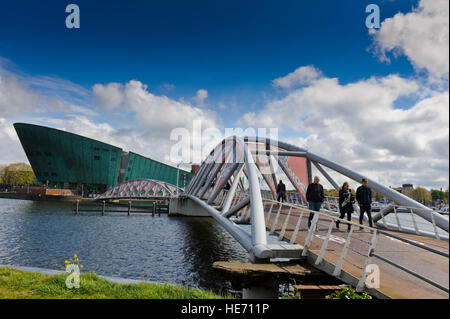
(437, 195)
(377, 196)
(18, 174)
(331, 192)
(420, 194)
(2, 173)
(446, 196)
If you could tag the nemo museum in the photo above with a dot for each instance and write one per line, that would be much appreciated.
(65, 160)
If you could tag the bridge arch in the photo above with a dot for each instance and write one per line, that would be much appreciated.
(141, 189)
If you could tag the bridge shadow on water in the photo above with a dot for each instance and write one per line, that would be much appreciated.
(206, 242)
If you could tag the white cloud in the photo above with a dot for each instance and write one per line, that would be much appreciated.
(421, 35)
(155, 116)
(358, 126)
(158, 114)
(200, 96)
(108, 96)
(24, 94)
(15, 97)
(9, 144)
(302, 76)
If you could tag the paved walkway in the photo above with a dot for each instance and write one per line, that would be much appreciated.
(394, 282)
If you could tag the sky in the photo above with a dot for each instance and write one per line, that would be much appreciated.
(374, 100)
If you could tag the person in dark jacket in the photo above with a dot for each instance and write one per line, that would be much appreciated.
(346, 201)
(364, 198)
(281, 191)
(315, 198)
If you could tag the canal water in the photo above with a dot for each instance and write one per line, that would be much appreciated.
(178, 250)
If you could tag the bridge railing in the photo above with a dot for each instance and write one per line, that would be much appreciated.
(344, 255)
(344, 251)
(390, 216)
(403, 218)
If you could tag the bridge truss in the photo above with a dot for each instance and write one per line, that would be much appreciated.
(227, 187)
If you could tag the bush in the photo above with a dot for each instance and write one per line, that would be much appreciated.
(348, 293)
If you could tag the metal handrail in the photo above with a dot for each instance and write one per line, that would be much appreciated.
(431, 282)
(371, 252)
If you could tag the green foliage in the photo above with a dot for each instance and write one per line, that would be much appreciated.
(19, 174)
(377, 196)
(437, 195)
(2, 173)
(331, 192)
(19, 284)
(420, 194)
(348, 293)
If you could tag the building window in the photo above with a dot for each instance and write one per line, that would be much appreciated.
(113, 159)
(129, 168)
(54, 174)
(97, 158)
(96, 149)
(48, 154)
(106, 150)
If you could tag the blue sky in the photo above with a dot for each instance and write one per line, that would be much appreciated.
(234, 48)
(137, 69)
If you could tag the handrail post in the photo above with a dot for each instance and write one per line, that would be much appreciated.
(362, 280)
(325, 243)
(337, 270)
(297, 226)
(283, 229)
(311, 231)
(272, 230)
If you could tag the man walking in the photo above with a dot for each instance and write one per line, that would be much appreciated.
(364, 198)
(315, 198)
(281, 191)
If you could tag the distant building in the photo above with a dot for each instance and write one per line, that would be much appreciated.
(407, 187)
(67, 160)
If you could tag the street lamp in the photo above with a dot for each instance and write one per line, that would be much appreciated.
(178, 177)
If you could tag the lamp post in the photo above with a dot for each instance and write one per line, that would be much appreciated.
(178, 177)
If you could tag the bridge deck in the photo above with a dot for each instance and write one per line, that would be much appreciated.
(394, 283)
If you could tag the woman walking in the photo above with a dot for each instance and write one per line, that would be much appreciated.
(346, 201)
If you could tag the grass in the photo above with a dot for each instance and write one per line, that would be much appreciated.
(17, 284)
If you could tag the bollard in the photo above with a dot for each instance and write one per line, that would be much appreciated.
(76, 210)
(103, 209)
(159, 210)
(154, 210)
(129, 208)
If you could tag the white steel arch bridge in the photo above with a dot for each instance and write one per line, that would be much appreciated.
(420, 269)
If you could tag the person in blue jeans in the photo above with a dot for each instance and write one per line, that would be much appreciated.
(315, 198)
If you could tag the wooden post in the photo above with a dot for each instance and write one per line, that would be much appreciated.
(76, 210)
(129, 207)
(154, 209)
(103, 209)
(159, 210)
